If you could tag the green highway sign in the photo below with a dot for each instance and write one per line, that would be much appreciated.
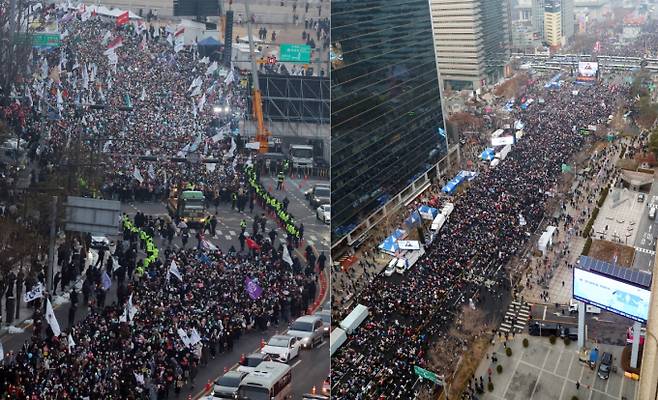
(297, 53)
(425, 374)
(46, 40)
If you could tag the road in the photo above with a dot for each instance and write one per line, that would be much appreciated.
(312, 367)
(606, 327)
(645, 240)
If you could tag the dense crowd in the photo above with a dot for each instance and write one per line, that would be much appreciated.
(483, 233)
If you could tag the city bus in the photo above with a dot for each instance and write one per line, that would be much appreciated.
(269, 381)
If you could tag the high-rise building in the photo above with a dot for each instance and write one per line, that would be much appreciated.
(538, 17)
(387, 125)
(552, 23)
(472, 41)
(568, 19)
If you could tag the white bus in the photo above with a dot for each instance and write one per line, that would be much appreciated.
(269, 381)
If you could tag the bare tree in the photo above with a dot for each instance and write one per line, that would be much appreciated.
(15, 42)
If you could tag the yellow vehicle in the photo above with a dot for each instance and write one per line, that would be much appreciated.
(189, 205)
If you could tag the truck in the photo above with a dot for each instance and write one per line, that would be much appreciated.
(301, 156)
(189, 206)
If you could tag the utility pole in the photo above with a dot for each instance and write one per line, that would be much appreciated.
(51, 245)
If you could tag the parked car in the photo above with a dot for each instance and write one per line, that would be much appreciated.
(226, 387)
(250, 362)
(308, 330)
(326, 321)
(318, 195)
(390, 268)
(323, 213)
(282, 348)
(100, 241)
(640, 198)
(604, 367)
(541, 329)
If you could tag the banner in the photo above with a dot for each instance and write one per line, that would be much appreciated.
(52, 320)
(184, 337)
(35, 293)
(173, 269)
(123, 18)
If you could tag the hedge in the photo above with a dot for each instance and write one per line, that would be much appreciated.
(588, 226)
(508, 351)
(525, 342)
(588, 245)
(604, 194)
(567, 341)
(490, 386)
(499, 369)
(552, 339)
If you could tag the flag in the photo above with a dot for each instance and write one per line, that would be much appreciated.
(35, 293)
(179, 31)
(229, 78)
(212, 68)
(115, 264)
(138, 175)
(204, 60)
(143, 96)
(442, 132)
(179, 45)
(85, 15)
(151, 171)
(106, 281)
(143, 45)
(106, 38)
(286, 255)
(566, 168)
(252, 288)
(2, 352)
(52, 320)
(115, 44)
(123, 18)
(184, 337)
(202, 102)
(129, 312)
(194, 337)
(251, 243)
(71, 342)
(60, 101)
(173, 269)
(196, 92)
(170, 39)
(85, 77)
(139, 378)
(195, 83)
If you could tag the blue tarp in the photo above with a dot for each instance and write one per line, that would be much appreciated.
(399, 233)
(209, 41)
(554, 83)
(488, 154)
(452, 185)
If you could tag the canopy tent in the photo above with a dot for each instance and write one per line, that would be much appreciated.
(452, 185)
(390, 244)
(208, 46)
(413, 219)
(488, 154)
(104, 11)
(427, 212)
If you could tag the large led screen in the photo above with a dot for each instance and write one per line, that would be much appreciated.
(613, 295)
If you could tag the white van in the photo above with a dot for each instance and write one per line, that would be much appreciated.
(354, 319)
(589, 309)
(336, 339)
(652, 213)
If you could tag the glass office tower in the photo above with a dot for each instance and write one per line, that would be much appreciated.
(386, 119)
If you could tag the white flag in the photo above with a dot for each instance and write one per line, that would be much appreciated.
(194, 337)
(60, 101)
(151, 171)
(180, 44)
(35, 293)
(138, 175)
(170, 39)
(212, 68)
(204, 60)
(85, 77)
(129, 312)
(202, 102)
(184, 337)
(195, 83)
(173, 269)
(139, 378)
(143, 96)
(52, 320)
(71, 342)
(106, 37)
(196, 92)
(229, 78)
(286, 256)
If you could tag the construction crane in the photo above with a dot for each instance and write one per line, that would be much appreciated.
(262, 133)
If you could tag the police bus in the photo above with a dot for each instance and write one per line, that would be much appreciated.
(269, 381)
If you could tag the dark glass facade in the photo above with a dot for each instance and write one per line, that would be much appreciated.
(385, 104)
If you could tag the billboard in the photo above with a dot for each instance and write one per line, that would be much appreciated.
(502, 140)
(619, 297)
(587, 71)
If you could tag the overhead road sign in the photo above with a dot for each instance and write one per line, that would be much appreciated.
(296, 53)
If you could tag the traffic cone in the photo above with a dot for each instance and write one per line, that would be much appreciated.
(242, 358)
(225, 369)
(313, 390)
(262, 343)
(208, 385)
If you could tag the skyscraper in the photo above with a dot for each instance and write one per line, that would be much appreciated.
(471, 39)
(386, 117)
(553, 23)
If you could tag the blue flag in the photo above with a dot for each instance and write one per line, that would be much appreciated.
(106, 281)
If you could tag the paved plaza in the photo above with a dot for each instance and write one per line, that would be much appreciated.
(549, 372)
(619, 216)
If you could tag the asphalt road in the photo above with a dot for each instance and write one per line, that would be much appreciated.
(645, 241)
(606, 327)
(312, 366)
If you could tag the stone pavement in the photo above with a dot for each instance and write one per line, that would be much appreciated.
(549, 372)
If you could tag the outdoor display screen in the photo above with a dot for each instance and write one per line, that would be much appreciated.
(619, 297)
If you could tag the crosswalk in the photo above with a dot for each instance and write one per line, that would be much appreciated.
(645, 251)
(516, 317)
